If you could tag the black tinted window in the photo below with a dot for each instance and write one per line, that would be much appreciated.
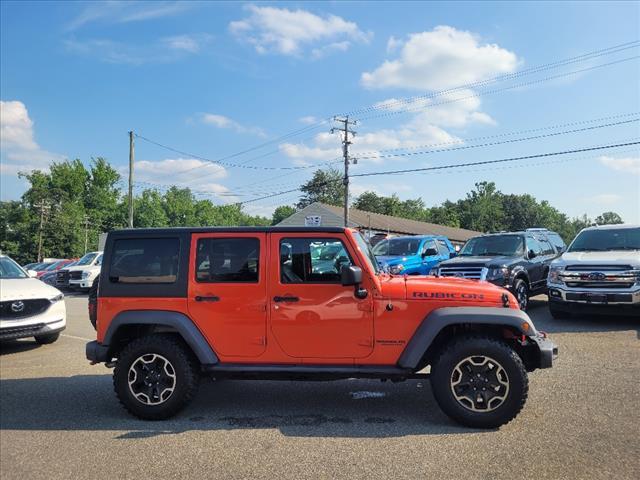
(220, 260)
(312, 260)
(145, 260)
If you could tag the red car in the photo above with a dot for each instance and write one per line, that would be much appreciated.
(54, 267)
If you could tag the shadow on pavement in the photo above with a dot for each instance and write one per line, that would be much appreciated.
(580, 323)
(345, 408)
(9, 347)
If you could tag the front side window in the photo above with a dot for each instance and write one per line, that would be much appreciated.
(312, 260)
(228, 260)
(442, 247)
(144, 260)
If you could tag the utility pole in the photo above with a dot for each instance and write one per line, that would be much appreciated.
(86, 232)
(43, 206)
(130, 179)
(345, 153)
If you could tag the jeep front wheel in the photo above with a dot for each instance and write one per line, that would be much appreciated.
(155, 377)
(480, 382)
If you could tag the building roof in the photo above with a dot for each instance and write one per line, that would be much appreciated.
(332, 216)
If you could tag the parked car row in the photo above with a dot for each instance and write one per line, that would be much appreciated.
(598, 273)
(72, 274)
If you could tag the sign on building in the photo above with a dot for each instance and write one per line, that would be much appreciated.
(313, 220)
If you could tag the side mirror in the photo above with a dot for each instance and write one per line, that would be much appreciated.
(453, 254)
(32, 273)
(350, 275)
(430, 252)
(531, 254)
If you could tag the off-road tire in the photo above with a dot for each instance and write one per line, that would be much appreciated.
(47, 338)
(471, 346)
(520, 290)
(183, 364)
(558, 313)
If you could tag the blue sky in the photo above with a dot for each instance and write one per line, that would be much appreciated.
(214, 79)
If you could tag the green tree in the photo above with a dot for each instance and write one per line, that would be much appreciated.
(148, 210)
(282, 212)
(325, 186)
(609, 218)
(482, 209)
(179, 206)
(446, 214)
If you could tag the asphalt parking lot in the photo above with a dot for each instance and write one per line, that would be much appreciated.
(59, 418)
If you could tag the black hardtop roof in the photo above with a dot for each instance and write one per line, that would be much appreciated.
(183, 230)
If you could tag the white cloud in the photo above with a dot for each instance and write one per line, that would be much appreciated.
(393, 44)
(441, 58)
(308, 120)
(125, 11)
(18, 147)
(624, 164)
(288, 32)
(605, 198)
(220, 121)
(163, 50)
(190, 173)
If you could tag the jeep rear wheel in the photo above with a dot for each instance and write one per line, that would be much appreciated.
(155, 377)
(480, 382)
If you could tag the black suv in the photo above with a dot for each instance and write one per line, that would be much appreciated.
(518, 261)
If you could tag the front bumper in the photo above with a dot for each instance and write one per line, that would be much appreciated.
(597, 297)
(84, 283)
(31, 330)
(548, 351)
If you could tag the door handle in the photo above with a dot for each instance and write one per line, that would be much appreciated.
(211, 298)
(285, 299)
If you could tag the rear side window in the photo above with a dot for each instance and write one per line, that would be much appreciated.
(312, 260)
(228, 260)
(145, 260)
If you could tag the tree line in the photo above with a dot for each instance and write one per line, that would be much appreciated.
(484, 209)
(69, 206)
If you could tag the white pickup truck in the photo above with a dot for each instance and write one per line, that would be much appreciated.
(599, 273)
(82, 274)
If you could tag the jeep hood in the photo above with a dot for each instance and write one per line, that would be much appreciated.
(457, 291)
(613, 257)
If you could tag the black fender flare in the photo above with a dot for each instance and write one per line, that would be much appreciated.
(520, 272)
(178, 321)
(440, 318)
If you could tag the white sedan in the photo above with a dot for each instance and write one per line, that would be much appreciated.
(29, 307)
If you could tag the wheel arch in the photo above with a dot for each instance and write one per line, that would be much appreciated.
(135, 323)
(442, 324)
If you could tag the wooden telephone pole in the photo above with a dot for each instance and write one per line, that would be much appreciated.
(131, 179)
(345, 131)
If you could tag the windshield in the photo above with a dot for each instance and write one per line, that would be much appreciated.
(53, 266)
(397, 246)
(494, 246)
(606, 240)
(10, 269)
(367, 252)
(87, 259)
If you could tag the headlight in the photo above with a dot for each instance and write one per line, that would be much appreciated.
(57, 298)
(497, 272)
(86, 274)
(554, 275)
(396, 269)
(434, 272)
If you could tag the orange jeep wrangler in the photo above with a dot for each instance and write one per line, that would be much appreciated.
(301, 303)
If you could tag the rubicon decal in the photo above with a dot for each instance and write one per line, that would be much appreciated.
(449, 295)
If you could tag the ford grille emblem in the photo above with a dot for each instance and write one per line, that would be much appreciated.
(17, 307)
(597, 276)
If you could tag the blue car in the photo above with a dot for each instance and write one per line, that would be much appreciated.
(415, 255)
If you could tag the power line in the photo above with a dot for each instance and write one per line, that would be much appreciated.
(487, 162)
(502, 142)
(500, 135)
(480, 83)
(502, 89)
